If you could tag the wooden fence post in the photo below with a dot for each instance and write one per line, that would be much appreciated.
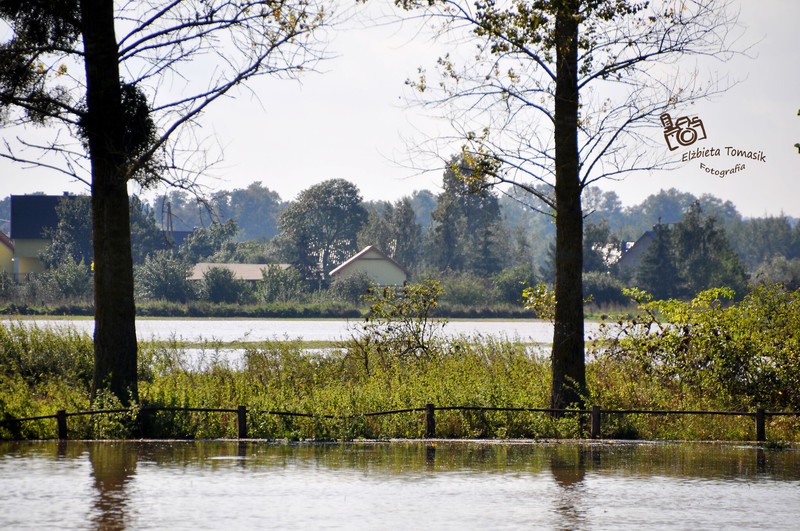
(430, 421)
(241, 421)
(595, 422)
(761, 426)
(61, 424)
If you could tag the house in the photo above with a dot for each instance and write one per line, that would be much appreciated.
(246, 272)
(378, 267)
(6, 254)
(634, 251)
(32, 217)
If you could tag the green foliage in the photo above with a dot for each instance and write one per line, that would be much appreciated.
(335, 387)
(72, 236)
(202, 243)
(603, 289)
(146, 237)
(466, 289)
(352, 288)
(541, 300)
(279, 284)
(689, 257)
(220, 285)
(509, 283)
(72, 280)
(393, 228)
(779, 270)
(399, 323)
(320, 229)
(467, 233)
(164, 276)
(711, 352)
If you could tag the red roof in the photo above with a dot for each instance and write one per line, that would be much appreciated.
(6, 241)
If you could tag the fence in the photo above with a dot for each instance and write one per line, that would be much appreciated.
(595, 414)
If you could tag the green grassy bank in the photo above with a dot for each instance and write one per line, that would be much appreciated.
(42, 371)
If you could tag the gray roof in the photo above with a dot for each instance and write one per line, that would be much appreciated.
(240, 271)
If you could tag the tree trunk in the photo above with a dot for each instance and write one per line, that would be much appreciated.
(568, 363)
(115, 347)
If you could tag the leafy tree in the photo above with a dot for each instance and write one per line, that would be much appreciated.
(256, 209)
(351, 289)
(731, 355)
(320, 229)
(399, 325)
(202, 243)
(598, 247)
(760, 239)
(689, 257)
(560, 92)
(704, 255)
(165, 276)
(602, 289)
(781, 271)
(467, 233)
(423, 202)
(72, 237)
(146, 237)
(658, 273)
(393, 229)
(121, 120)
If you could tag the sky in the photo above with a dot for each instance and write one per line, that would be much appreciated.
(350, 120)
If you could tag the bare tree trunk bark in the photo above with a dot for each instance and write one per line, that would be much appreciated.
(568, 363)
(115, 347)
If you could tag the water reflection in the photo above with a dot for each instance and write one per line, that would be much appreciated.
(113, 466)
(213, 484)
(568, 467)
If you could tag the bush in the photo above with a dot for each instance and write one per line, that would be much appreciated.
(220, 285)
(351, 289)
(466, 289)
(280, 285)
(163, 276)
(509, 283)
(602, 289)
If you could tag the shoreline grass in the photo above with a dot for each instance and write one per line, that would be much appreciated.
(44, 370)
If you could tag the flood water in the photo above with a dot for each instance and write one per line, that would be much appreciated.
(229, 330)
(398, 485)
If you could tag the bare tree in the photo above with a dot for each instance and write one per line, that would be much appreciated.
(565, 93)
(120, 82)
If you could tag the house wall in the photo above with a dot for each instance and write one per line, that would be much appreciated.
(27, 256)
(379, 270)
(6, 260)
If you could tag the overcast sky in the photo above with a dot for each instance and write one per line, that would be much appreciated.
(350, 121)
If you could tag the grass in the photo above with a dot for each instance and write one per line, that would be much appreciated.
(43, 370)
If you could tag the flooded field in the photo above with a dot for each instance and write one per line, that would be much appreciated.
(396, 485)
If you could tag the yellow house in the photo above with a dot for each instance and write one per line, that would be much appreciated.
(31, 217)
(6, 254)
(378, 267)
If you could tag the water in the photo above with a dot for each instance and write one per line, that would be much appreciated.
(229, 330)
(401, 485)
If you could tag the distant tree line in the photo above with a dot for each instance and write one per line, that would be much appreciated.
(484, 245)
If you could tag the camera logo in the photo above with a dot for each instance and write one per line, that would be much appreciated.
(684, 132)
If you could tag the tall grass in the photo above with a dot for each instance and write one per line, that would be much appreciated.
(42, 370)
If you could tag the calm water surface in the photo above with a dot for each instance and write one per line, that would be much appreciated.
(453, 485)
(227, 330)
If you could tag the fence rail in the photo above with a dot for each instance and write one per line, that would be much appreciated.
(595, 413)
